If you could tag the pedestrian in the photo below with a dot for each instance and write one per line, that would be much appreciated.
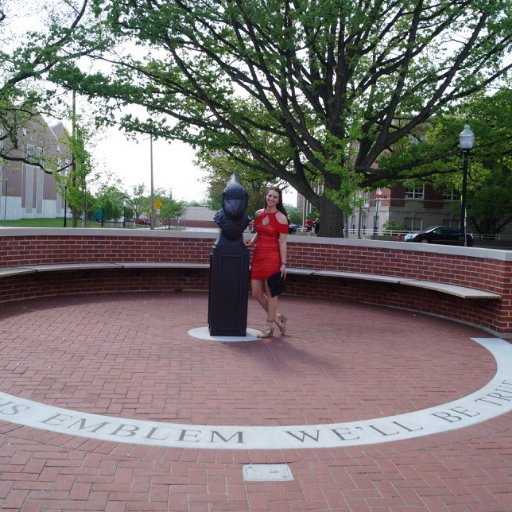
(316, 226)
(268, 268)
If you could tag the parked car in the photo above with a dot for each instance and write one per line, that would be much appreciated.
(440, 235)
(143, 219)
(292, 229)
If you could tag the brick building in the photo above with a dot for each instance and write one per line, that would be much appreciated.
(413, 209)
(26, 191)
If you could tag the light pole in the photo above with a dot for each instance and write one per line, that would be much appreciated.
(378, 196)
(5, 199)
(466, 140)
(65, 205)
(152, 193)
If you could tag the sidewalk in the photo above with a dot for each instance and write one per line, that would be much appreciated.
(129, 358)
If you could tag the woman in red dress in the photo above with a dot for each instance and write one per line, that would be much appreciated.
(271, 226)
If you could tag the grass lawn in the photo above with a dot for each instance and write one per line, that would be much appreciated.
(44, 223)
(59, 223)
(34, 223)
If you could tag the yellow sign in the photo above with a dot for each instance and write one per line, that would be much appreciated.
(157, 203)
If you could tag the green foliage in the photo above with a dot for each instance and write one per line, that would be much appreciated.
(111, 201)
(73, 182)
(219, 167)
(294, 216)
(345, 179)
(489, 197)
(393, 225)
(313, 214)
(299, 91)
(138, 202)
(59, 32)
(171, 209)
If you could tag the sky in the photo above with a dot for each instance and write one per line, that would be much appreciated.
(173, 165)
(130, 160)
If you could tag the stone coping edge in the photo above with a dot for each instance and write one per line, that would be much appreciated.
(475, 252)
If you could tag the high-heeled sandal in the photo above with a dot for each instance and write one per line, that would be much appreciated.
(268, 332)
(281, 323)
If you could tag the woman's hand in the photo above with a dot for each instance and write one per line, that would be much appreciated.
(282, 269)
(249, 243)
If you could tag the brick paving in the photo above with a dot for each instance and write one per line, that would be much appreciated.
(130, 356)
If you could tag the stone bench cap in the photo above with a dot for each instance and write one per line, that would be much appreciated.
(459, 291)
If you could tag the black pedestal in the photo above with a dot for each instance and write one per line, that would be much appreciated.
(229, 288)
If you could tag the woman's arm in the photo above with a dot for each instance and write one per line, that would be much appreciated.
(282, 252)
(282, 219)
(252, 241)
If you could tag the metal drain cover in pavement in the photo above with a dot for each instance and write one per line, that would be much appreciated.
(267, 472)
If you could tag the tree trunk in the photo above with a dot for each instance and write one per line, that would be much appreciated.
(331, 219)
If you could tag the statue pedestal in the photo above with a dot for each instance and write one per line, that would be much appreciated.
(229, 288)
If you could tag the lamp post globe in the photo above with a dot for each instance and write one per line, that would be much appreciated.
(466, 138)
(466, 141)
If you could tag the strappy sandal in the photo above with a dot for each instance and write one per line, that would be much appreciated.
(268, 332)
(281, 323)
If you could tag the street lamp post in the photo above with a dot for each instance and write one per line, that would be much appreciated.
(5, 200)
(65, 205)
(466, 140)
(378, 196)
(152, 192)
(376, 218)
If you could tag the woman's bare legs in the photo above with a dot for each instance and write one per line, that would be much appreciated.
(269, 304)
(258, 292)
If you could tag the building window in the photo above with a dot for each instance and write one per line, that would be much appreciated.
(413, 223)
(450, 195)
(34, 154)
(414, 192)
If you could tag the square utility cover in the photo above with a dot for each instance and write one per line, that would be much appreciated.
(267, 472)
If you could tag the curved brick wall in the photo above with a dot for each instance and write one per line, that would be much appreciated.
(485, 269)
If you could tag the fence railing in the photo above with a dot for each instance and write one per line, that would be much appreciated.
(394, 234)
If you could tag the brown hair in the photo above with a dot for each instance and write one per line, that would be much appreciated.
(279, 205)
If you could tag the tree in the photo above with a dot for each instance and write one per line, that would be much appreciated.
(294, 215)
(74, 175)
(137, 200)
(54, 32)
(111, 201)
(300, 90)
(489, 198)
(490, 185)
(171, 209)
(219, 168)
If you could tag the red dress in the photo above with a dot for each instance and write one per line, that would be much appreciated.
(266, 259)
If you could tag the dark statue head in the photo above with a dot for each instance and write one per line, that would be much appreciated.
(232, 219)
(234, 199)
